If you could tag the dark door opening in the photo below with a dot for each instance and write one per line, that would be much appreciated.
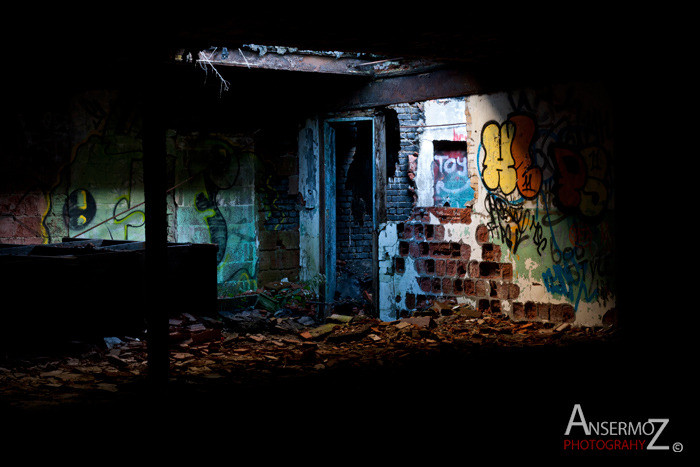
(354, 214)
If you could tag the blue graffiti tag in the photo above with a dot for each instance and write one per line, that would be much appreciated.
(565, 281)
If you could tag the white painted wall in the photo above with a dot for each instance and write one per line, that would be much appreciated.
(561, 108)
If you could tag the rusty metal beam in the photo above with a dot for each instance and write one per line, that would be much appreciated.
(413, 88)
(285, 62)
(309, 62)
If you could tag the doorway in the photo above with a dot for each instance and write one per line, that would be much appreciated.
(353, 198)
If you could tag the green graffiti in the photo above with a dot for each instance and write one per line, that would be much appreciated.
(103, 177)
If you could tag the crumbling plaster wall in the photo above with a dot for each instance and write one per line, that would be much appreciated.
(310, 212)
(532, 234)
(76, 165)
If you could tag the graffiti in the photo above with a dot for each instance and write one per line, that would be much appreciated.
(576, 277)
(580, 271)
(459, 136)
(218, 203)
(101, 179)
(512, 224)
(548, 180)
(129, 218)
(498, 166)
(508, 163)
(581, 180)
(241, 281)
(79, 209)
(529, 176)
(451, 175)
(570, 282)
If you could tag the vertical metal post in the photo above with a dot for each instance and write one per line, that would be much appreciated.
(155, 263)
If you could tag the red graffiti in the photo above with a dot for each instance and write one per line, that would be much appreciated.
(572, 177)
(529, 176)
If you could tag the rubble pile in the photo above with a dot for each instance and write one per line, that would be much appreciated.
(263, 335)
(257, 345)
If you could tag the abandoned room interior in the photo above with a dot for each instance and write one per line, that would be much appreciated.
(411, 218)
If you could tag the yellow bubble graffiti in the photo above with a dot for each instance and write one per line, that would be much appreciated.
(499, 165)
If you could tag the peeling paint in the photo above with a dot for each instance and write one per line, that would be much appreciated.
(535, 252)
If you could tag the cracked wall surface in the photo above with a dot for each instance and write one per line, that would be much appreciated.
(518, 222)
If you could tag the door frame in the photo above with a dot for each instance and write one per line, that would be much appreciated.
(327, 177)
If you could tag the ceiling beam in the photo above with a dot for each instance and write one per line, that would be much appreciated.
(411, 88)
(283, 62)
(335, 63)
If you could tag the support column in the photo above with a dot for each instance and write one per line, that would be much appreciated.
(155, 266)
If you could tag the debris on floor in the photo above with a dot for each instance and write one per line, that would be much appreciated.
(256, 343)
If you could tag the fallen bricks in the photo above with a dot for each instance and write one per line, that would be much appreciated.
(206, 349)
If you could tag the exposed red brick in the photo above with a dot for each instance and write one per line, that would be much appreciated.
(530, 310)
(424, 283)
(507, 271)
(462, 268)
(413, 249)
(489, 270)
(450, 267)
(513, 291)
(410, 301)
(496, 307)
(490, 252)
(407, 231)
(8, 227)
(465, 251)
(465, 216)
(484, 305)
(568, 313)
(429, 231)
(458, 286)
(418, 232)
(518, 311)
(439, 232)
(482, 234)
(447, 285)
(473, 268)
(440, 249)
(440, 267)
(499, 290)
(404, 248)
(436, 285)
(481, 288)
(563, 313)
(424, 248)
(419, 265)
(469, 287)
(399, 265)
(543, 311)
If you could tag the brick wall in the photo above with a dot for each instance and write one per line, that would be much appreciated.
(277, 180)
(447, 269)
(353, 198)
(400, 192)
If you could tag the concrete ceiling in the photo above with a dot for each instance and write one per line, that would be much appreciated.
(471, 36)
(51, 50)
